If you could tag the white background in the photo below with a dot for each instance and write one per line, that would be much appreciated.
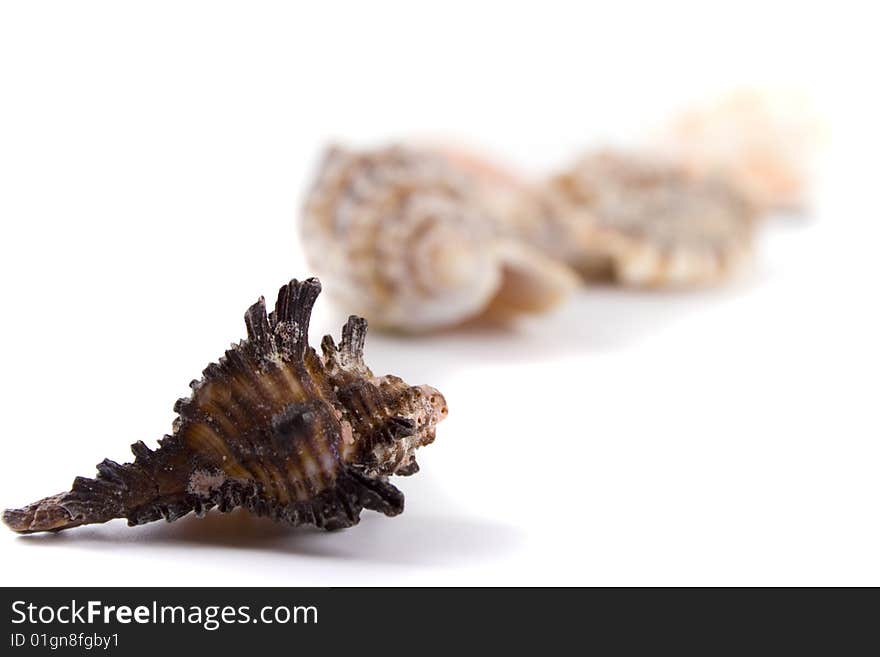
(152, 161)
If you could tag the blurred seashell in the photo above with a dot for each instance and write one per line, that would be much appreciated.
(519, 204)
(645, 222)
(413, 242)
(763, 142)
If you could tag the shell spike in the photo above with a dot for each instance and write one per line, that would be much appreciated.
(354, 333)
(258, 329)
(349, 354)
(293, 310)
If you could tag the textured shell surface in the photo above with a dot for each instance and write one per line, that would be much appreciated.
(518, 204)
(414, 241)
(272, 427)
(645, 221)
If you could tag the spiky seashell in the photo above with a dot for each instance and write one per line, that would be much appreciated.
(272, 427)
(413, 242)
(764, 142)
(648, 223)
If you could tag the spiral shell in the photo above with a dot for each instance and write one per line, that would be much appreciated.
(414, 243)
(648, 223)
(272, 427)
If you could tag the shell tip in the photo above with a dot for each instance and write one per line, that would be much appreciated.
(42, 516)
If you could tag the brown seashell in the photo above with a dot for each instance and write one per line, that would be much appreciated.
(271, 427)
(646, 222)
(413, 240)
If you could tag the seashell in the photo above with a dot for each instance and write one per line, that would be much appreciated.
(519, 205)
(414, 241)
(645, 222)
(765, 143)
(271, 427)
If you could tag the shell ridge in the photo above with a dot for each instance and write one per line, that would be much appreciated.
(247, 402)
(306, 431)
